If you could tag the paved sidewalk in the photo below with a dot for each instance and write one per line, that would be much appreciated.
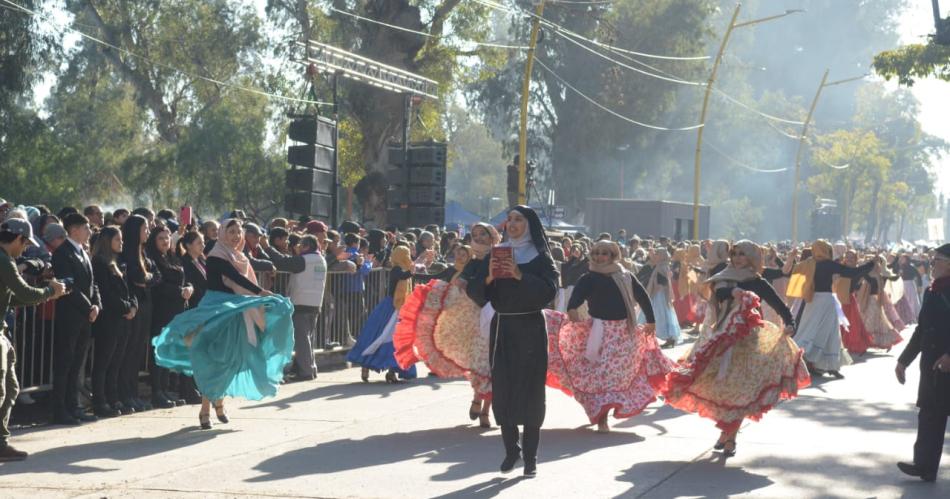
(337, 437)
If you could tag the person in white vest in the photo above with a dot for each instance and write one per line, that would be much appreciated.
(305, 291)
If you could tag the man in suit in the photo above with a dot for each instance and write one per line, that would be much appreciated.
(75, 314)
(931, 340)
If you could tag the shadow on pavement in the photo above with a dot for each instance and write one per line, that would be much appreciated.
(488, 488)
(343, 391)
(468, 453)
(64, 459)
(870, 416)
(650, 418)
(707, 478)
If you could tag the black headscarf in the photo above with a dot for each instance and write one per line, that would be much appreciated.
(535, 229)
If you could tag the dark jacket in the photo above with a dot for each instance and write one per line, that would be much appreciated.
(197, 277)
(117, 300)
(293, 264)
(931, 340)
(75, 306)
(167, 294)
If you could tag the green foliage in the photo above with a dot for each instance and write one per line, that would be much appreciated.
(913, 62)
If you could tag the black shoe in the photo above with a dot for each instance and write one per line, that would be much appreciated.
(123, 409)
(133, 404)
(84, 417)
(914, 470)
(509, 463)
(530, 468)
(64, 419)
(836, 374)
(9, 454)
(105, 411)
(141, 405)
(162, 403)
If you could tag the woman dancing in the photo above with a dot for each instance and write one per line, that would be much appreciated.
(819, 330)
(742, 366)
(238, 339)
(518, 340)
(374, 348)
(658, 288)
(871, 298)
(608, 362)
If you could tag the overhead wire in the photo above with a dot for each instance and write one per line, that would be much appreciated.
(605, 108)
(836, 167)
(743, 164)
(61, 27)
(423, 33)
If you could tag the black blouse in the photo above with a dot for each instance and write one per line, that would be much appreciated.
(766, 292)
(826, 269)
(605, 301)
(219, 268)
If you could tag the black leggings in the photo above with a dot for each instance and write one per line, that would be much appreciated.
(532, 437)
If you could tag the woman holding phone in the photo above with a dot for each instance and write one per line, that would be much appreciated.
(519, 281)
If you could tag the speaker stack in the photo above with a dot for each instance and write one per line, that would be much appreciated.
(310, 181)
(416, 194)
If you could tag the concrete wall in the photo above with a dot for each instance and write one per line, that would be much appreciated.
(644, 218)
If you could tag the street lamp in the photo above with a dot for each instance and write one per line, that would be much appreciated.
(709, 86)
(801, 145)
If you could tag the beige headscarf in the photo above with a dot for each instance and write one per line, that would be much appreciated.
(802, 283)
(732, 274)
(718, 253)
(480, 251)
(621, 278)
(237, 258)
(401, 258)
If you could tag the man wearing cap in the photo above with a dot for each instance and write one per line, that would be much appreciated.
(15, 236)
(931, 340)
(319, 230)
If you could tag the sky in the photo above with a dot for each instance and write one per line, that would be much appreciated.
(933, 94)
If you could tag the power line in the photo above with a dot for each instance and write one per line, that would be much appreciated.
(605, 108)
(556, 27)
(638, 70)
(423, 33)
(23, 10)
(742, 164)
(836, 167)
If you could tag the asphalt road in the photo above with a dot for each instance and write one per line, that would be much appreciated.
(338, 437)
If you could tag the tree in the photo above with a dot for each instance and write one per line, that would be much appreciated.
(477, 169)
(912, 62)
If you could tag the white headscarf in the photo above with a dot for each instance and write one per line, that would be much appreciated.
(524, 248)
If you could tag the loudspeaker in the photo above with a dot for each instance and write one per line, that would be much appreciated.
(415, 196)
(416, 216)
(825, 224)
(308, 179)
(309, 203)
(311, 156)
(312, 131)
(425, 154)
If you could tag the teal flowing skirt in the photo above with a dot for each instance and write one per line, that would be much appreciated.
(210, 342)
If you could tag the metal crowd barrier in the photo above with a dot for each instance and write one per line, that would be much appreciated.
(348, 301)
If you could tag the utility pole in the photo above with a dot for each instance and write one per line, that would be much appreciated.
(525, 89)
(801, 146)
(697, 167)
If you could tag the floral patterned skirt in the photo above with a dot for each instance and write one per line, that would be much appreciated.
(439, 324)
(738, 370)
(622, 371)
(882, 333)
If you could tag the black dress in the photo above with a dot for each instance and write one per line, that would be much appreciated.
(518, 350)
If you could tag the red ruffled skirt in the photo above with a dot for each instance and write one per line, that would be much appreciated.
(855, 337)
(738, 370)
(439, 324)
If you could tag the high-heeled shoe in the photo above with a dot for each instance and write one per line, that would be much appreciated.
(219, 412)
(726, 451)
(474, 410)
(484, 421)
(204, 418)
(364, 374)
(391, 377)
(720, 443)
